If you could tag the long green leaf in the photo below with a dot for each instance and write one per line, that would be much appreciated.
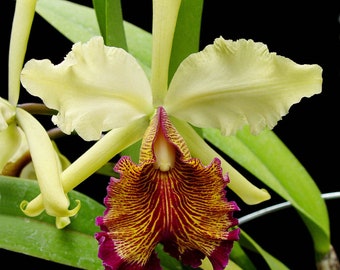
(74, 21)
(247, 241)
(266, 157)
(240, 260)
(187, 33)
(110, 20)
(168, 262)
(240, 257)
(74, 246)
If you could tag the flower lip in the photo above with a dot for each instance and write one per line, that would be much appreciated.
(184, 208)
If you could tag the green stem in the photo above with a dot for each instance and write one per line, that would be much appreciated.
(280, 206)
(37, 108)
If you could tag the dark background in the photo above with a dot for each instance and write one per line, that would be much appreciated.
(308, 34)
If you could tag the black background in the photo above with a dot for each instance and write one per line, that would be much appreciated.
(306, 33)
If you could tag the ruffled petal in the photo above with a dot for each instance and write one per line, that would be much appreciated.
(235, 83)
(112, 261)
(96, 88)
(181, 205)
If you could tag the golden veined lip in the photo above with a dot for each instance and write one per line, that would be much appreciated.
(183, 207)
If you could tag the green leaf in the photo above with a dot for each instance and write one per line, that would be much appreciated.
(133, 151)
(140, 45)
(239, 256)
(110, 20)
(74, 21)
(168, 262)
(187, 33)
(247, 241)
(74, 246)
(267, 158)
(107, 170)
(78, 23)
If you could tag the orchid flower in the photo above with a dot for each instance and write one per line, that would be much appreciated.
(103, 94)
(21, 132)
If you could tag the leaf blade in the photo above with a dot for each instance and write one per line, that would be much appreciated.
(39, 237)
(264, 156)
(187, 33)
(110, 20)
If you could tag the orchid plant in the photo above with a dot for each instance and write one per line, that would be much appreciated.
(158, 104)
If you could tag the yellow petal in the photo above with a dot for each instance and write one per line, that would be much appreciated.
(235, 83)
(7, 114)
(100, 153)
(46, 166)
(10, 136)
(10, 141)
(163, 28)
(22, 22)
(62, 222)
(28, 171)
(249, 193)
(96, 88)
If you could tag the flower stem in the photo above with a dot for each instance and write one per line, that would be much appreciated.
(37, 108)
(280, 206)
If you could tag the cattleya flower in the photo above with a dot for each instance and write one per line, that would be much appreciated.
(20, 132)
(175, 194)
(169, 198)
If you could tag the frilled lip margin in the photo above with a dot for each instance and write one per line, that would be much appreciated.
(183, 206)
